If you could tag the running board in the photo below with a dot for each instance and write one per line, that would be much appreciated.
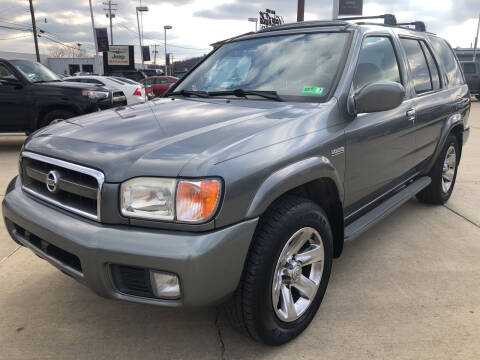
(373, 216)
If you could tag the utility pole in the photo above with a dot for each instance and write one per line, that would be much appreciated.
(335, 9)
(96, 67)
(165, 28)
(476, 41)
(110, 15)
(301, 10)
(34, 26)
(155, 54)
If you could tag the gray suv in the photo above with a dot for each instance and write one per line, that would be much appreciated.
(241, 186)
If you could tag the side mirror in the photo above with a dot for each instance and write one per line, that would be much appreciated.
(379, 96)
(10, 82)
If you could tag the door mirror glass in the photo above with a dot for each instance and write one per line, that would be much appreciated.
(379, 96)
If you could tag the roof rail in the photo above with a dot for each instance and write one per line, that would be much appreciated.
(388, 19)
(419, 25)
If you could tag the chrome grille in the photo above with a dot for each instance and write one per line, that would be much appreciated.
(69, 186)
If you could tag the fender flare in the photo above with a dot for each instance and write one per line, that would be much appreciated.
(452, 122)
(290, 177)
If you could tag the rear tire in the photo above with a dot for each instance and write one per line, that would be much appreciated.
(56, 115)
(258, 307)
(443, 174)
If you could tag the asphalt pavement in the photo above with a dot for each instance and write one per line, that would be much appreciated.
(409, 288)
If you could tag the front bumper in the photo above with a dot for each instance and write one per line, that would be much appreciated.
(209, 265)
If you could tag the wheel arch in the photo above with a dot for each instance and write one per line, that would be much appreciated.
(453, 125)
(313, 178)
(49, 108)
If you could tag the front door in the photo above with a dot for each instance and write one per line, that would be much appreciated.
(13, 109)
(379, 146)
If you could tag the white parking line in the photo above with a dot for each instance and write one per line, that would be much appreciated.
(13, 252)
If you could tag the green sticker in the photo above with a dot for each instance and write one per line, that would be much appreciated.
(313, 90)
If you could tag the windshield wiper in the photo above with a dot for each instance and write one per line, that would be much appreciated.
(202, 94)
(271, 95)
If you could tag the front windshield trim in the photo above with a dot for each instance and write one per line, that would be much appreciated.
(290, 32)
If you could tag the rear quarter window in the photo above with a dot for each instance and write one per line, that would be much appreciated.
(444, 53)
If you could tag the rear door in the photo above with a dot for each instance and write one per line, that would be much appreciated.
(378, 145)
(429, 104)
(444, 95)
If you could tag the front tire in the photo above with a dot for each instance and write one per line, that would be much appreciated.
(286, 273)
(443, 174)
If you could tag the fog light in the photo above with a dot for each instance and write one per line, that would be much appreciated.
(165, 285)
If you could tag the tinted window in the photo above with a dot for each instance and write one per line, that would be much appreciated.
(445, 55)
(296, 66)
(432, 66)
(377, 62)
(469, 68)
(418, 65)
(6, 74)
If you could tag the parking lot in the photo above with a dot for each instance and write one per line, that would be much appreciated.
(409, 288)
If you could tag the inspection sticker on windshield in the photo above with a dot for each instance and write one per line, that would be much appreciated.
(313, 90)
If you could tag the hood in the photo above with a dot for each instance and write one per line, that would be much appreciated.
(68, 85)
(160, 137)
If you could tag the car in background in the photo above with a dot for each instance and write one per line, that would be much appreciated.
(134, 92)
(153, 72)
(32, 96)
(135, 75)
(148, 88)
(159, 84)
(471, 70)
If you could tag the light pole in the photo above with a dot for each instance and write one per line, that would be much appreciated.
(255, 20)
(141, 9)
(165, 28)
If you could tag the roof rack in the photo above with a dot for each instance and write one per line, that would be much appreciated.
(419, 25)
(388, 19)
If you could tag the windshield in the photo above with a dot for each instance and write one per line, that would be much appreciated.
(299, 67)
(35, 72)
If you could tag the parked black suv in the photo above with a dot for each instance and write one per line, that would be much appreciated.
(242, 184)
(31, 96)
(472, 76)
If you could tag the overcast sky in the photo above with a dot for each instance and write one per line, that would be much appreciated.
(198, 23)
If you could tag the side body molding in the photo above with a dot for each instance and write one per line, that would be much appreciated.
(290, 177)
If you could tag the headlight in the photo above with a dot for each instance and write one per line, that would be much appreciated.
(191, 201)
(95, 95)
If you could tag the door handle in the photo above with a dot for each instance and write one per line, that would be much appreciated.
(411, 115)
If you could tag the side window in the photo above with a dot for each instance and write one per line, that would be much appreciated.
(446, 56)
(418, 65)
(432, 66)
(6, 74)
(377, 62)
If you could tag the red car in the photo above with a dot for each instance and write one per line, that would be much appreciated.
(159, 84)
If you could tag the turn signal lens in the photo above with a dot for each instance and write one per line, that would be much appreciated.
(197, 200)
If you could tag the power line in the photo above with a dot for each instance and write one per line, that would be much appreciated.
(163, 42)
(16, 37)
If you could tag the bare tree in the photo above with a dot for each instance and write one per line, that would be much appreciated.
(66, 51)
(58, 51)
